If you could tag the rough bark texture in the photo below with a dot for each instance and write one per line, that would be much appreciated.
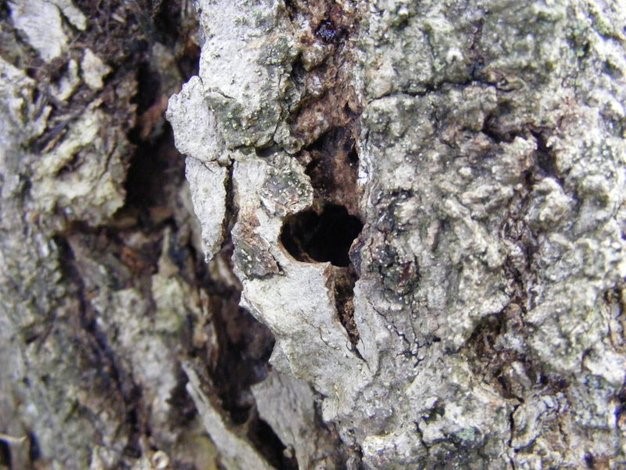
(416, 208)
(100, 291)
(481, 145)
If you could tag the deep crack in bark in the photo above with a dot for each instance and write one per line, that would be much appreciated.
(327, 230)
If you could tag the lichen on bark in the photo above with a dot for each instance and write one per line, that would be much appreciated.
(488, 140)
(413, 210)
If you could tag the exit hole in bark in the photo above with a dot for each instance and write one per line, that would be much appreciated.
(322, 236)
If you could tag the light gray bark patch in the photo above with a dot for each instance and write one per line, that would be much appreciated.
(207, 182)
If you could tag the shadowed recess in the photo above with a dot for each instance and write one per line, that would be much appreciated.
(5, 455)
(311, 237)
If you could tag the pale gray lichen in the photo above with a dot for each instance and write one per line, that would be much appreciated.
(243, 68)
(42, 23)
(93, 70)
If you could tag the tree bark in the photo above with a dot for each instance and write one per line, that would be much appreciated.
(400, 242)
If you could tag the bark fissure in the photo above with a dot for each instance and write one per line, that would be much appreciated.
(329, 155)
(97, 348)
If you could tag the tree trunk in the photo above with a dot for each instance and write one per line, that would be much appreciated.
(410, 242)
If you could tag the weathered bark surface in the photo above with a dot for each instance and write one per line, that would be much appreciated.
(99, 286)
(477, 318)
(416, 208)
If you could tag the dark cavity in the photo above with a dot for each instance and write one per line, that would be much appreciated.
(324, 236)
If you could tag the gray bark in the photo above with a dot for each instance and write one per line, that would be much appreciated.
(416, 207)
(481, 144)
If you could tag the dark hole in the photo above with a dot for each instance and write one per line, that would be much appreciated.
(353, 157)
(149, 88)
(34, 452)
(5, 455)
(327, 236)
(151, 165)
(545, 158)
(495, 126)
